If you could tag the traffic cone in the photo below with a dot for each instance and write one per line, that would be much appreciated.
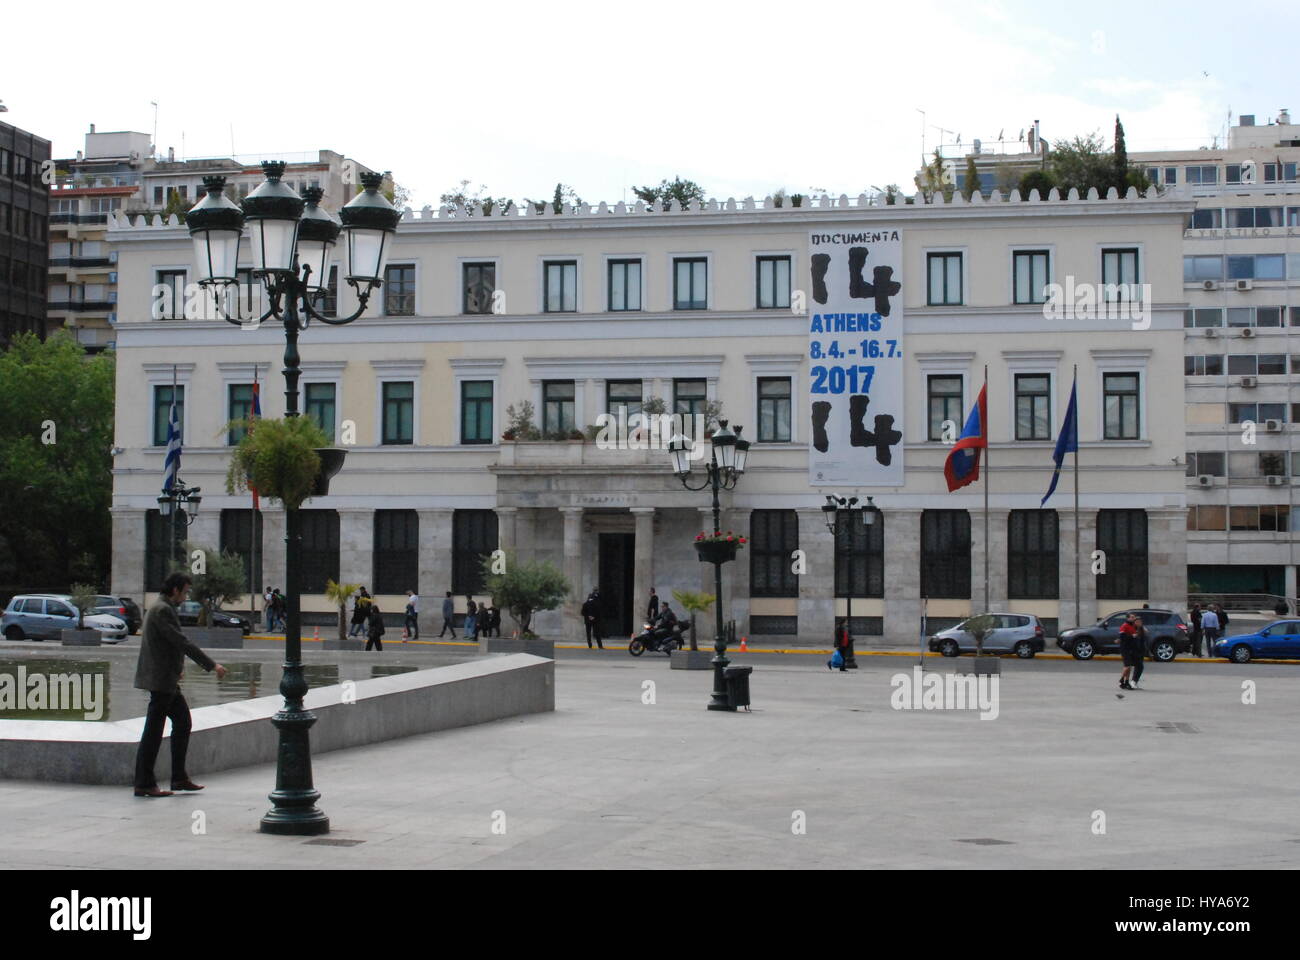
(744, 645)
(316, 633)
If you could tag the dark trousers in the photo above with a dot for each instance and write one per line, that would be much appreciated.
(1196, 641)
(447, 625)
(163, 706)
(413, 626)
(373, 640)
(593, 631)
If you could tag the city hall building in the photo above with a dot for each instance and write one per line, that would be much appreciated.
(846, 338)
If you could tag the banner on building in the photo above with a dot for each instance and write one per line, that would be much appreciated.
(855, 357)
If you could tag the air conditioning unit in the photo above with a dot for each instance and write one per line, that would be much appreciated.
(112, 276)
(1275, 481)
(1273, 426)
(1244, 285)
(112, 319)
(1249, 382)
(1247, 332)
(1211, 332)
(1205, 480)
(1210, 285)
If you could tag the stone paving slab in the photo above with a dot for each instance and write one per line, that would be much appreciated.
(610, 781)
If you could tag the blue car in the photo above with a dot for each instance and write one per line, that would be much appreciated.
(1280, 640)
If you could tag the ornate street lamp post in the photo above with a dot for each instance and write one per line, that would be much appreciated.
(292, 241)
(179, 501)
(726, 466)
(834, 509)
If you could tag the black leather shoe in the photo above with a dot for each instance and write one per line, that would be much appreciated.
(152, 792)
(187, 785)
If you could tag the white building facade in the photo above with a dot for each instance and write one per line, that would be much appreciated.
(597, 310)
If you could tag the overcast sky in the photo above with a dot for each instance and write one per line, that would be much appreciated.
(742, 98)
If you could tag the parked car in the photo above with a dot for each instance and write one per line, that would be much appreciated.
(1016, 633)
(1166, 635)
(189, 615)
(1280, 640)
(123, 608)
(43, 616)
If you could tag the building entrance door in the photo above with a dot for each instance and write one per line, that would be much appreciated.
(617, 557)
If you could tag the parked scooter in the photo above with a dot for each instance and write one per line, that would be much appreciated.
(659, 638)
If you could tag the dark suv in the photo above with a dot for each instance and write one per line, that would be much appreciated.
(1166, 635)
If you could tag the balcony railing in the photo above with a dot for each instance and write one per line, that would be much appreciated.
(95, 306)
(78, 218)
(85, 181)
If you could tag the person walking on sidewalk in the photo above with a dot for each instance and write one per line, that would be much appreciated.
(268, 604)
(1194, 618)
(652, 608)
(163, 649)
(278, 605)
(375, 628)
(412, 616)
(1129, 649)
(494, 619)
(1141, 643)
(471, 619)
(448, 616)
(1210, 629)
(590, 610)
(360, 609)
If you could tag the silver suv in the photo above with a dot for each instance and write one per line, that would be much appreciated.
(1018, 633)
(43, 616)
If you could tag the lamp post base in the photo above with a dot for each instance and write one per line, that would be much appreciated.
(719, 700)
(294, 797)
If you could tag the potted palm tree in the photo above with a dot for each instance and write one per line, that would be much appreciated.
(339, 594)
(696, 604)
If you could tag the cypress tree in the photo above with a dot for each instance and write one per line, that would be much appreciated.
(1121, 158)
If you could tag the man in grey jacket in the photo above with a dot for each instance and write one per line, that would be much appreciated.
(163, 649)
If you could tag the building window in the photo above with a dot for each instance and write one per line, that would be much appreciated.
(689, 397)
(476, 411)
(773, 282)
(1123, 418)
(162, 403)
(157, 196)
(399, 412)
(1201, 175)
(173, 302)
(474, 536)
(943, 271)
(859, 555)
(320, 406)
(1033, 407)
(1119, 267)
(1200, 269)
(399, 290)
(480, 282)
(320, 549)
(1032, 555)
(1211, 218)
(1280, 172)
(690, 283)
(1031, 275)
(945, 554)
(944, 403)
(1206, 463)
(623, 398)
(1209, 365)
(624, 285)
(241, 531)
(1122, 537)
(774, 397)
(397, 552)
(239, 406)
(326, 302)
(560, 286)
(773, 539)
(558, 410)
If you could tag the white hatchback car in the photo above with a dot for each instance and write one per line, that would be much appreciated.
(43, 616)
(1018, 633)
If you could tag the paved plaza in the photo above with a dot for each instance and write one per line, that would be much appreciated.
(1185, 773)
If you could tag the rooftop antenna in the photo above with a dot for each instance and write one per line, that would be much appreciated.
(154, 146)
(922, 113)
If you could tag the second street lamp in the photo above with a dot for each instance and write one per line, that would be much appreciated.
(292, 241)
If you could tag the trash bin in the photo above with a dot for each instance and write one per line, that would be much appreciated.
(737, 682)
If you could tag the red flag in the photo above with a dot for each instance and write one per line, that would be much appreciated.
(256, 412)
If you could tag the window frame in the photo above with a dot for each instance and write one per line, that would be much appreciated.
(414, 293)
(934, 431)
(624, 260)
(1026, 565)
(1125, 569)
(696, 258)
(1030, 251)
(776, 259)
(546, 402)
(393, 566)
(466, 574)
(1046, 396)
(555, 261)
(931, 256)
(384, 384)
(775, 560)
(859, 555)
(1135, 393)
(462, 385)
(947, 558)
(478, 263)
(162, 414)
(789, 409)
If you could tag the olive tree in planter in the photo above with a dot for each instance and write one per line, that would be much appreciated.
(980, 627)
(696, 604)
(83, 599)
(339, 594)
(220, 579)
(522, 588)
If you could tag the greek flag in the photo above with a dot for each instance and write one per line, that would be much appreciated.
(172, 463)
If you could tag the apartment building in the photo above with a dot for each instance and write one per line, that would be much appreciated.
(24, 226)
(118, 171)
(606, 309)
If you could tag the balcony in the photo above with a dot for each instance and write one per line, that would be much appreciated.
(82, 306)
(84, 181)
(87, 218)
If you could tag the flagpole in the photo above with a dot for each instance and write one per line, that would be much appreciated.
(988, 442)
(253, 531)
(176, 547)
(1078, 547)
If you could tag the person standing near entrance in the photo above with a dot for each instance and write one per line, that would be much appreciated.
(1194, 618)
(590, 611)
(268, 600)
(359, 611)
(163, 649)
(412, 615)
(375, 628)
(448, 616)
(1210, 629)
(471, 619)
(652, 608)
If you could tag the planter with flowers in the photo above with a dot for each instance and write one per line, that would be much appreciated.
(718, 547)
